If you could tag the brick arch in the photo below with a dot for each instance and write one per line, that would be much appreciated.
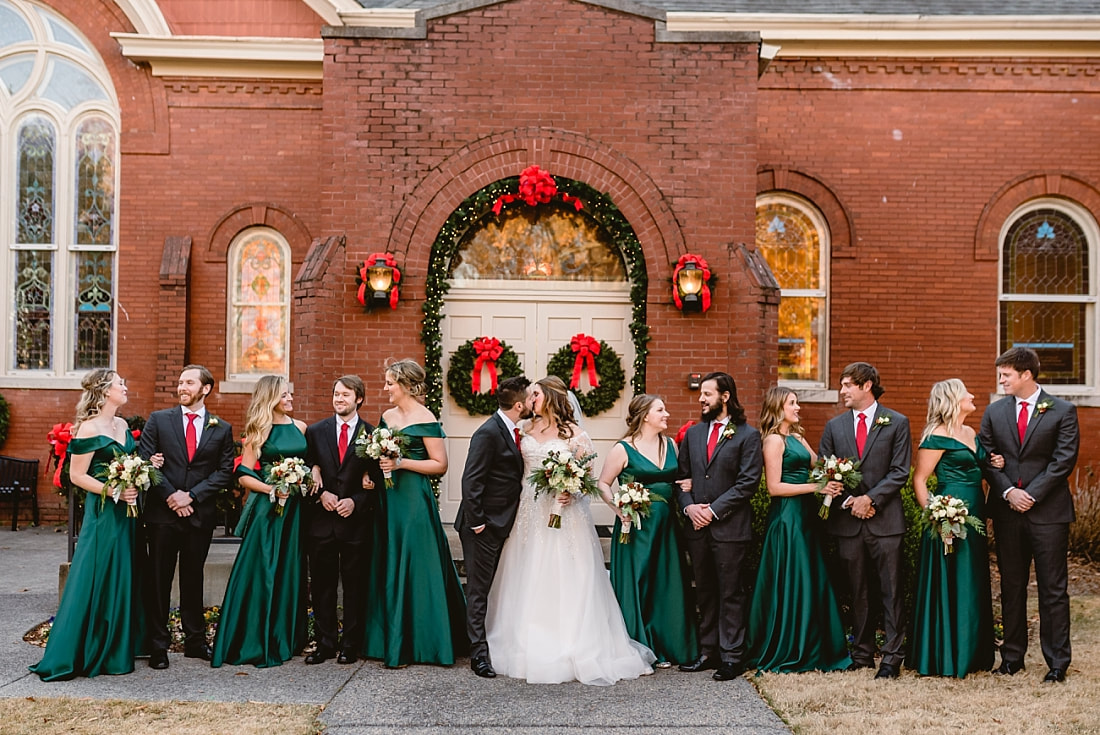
(561, 153)
(257, 214)
(837, 216)
(987, 239)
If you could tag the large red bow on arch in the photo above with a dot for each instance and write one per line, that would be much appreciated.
(60, 436)
(536, 186)
(488, 351)
(586, 348)
(699, 261)
(387, 258)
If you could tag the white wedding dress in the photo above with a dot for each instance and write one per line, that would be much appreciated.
(552, 614)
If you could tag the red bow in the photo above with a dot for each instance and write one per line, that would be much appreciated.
(697, 260)
(586, 348)
(682, 432)
(60, 436)
(536, 186)
(488, 351)
(387, 258)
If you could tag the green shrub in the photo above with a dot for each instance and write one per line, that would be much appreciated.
(1084, 534)
(5, 418)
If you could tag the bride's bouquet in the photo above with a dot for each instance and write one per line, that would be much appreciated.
(129, 470)
(288, 476)
(826, 469)
(382, 442)
(634, 503)
(948, 518)
(563, 472)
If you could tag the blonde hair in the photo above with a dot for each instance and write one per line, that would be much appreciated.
(96, 384)
(639, 408)
(410, 376)
(771, 413)
(260, 415)
(943, 405)
(556, 406)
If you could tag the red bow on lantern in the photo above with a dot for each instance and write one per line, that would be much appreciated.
(60, 436)
(702, 264)
(488, 351)
(386, 258)
(586, 348)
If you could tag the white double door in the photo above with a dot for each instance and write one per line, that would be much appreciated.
(535, 319)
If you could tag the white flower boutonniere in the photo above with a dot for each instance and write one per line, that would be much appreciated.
(1042, 406)
(729, 431)
(212, 421)
(883, 420)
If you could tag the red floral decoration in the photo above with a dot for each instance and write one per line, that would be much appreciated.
(488, 351)
(586, 348)
(702, 265)
(536, 186)
(59, 437)
(683, 431)
(364, 284)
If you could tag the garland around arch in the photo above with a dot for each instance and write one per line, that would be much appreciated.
(464, 374)
(603, 365)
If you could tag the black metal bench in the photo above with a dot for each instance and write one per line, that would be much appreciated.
(19, 477)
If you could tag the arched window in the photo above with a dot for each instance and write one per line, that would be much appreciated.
(259, 304)
(794, 239)
(59, 153)
(1048, 291)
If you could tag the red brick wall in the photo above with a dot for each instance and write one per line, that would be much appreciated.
(279, 18)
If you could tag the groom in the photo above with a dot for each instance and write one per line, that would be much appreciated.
(1031, 507)
(491, 484)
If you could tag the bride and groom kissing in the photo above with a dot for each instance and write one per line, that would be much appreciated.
(538, 598)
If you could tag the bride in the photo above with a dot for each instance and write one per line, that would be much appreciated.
(552, 614)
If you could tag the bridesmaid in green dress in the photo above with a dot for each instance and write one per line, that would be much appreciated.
(99, 626)
(953, 619)
(416, 611)
(649, 574)
(263, 617)
(794, 621)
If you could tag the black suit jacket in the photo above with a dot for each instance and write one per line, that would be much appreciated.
(342, 479)
(884, 466)
(728, 481)
(204, 476)
(492, 478)
(1041, 465)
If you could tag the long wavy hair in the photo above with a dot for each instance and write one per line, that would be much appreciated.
(260, 416)
(944, 405)
(636, 412)
(410, 376)
(96, 384)
(771, 413)
(556, 406)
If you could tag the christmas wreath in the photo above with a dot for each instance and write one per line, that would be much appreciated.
(464, 375)
(604, 368)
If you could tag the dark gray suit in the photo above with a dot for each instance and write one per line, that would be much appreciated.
(874, 543)
(727, 482)
(1041, 467)
(491, 485)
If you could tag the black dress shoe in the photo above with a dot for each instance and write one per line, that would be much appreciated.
(856, 666)
(887, 671)
(1055, 675)
(728, 671)
(319, 656)
(482, 667)
(158, 660)
(1009, 667)
(206, 653)
(703, 663)
(346, 657)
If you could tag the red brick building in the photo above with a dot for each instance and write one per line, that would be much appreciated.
(199, 181)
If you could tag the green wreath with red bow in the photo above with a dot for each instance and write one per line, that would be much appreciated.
(468, 362)
(604, 368)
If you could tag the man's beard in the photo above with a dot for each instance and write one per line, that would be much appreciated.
(710, 414)
(527, 412)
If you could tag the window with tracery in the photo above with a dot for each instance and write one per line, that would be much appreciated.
(259, 304)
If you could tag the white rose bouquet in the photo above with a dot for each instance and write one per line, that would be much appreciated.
(827, 469)
(948, 518)
(129, 470)
(563, 472)
(634, 503)
(288, 476)
(382, 442)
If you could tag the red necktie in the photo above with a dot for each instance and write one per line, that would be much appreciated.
(1021, 421)
(191, 436)
(343, 445)
(516, 429)
(712, 442)
(861, 433)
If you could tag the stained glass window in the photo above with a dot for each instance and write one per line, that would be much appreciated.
(792, 237)
(33, 311)
(95, 182)
(34, 216)
(94, 309)
(259, 319)
(1045, 287)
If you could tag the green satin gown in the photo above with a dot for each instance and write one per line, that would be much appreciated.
(263, 617)
(953, 619)
(416, 612)
(794, 621)
(649, 574)
(99, 627)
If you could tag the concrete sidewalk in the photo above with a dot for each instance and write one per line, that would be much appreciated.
(366, 697)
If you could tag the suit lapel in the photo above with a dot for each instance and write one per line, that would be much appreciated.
(872, 431)
(176, 431)
(509, 439)
(1033, 422)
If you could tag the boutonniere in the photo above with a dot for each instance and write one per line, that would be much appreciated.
(729, 431)
(883, 420)
(212, 421)
(1042, 406)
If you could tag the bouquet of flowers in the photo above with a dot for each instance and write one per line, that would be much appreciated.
(129, 470)
(563, 472)
(288, 476)
(634, 502)
(948, 518)
(382, 442)
(845, 471)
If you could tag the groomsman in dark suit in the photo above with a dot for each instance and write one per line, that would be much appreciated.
(334, 521)
(180, 512)
(491, 484)
(721, 459)
(1031, 507)
(869, 522)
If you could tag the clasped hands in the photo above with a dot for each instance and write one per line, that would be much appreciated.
(344, 507)
(859, 506)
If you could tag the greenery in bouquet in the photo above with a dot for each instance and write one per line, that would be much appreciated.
(563, 472)
(948, 518)
(289, 476)
(844, 470)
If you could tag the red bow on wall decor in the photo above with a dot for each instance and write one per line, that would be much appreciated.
(59, 437)
(536, 186)
(488, 351)
(364, 280)
(586, 348)
(701, 264)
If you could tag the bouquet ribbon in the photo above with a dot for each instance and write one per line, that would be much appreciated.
(60, 436)
(586, 348)
(488, 351)
(684, 260)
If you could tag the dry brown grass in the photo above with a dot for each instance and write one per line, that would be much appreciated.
(855, 704)
(50, 715)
